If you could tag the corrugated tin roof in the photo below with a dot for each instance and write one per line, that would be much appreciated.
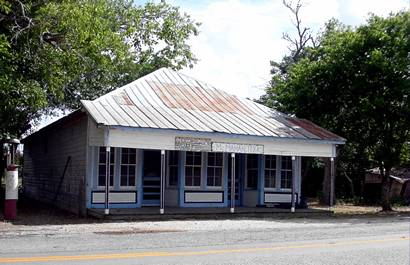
(166, 99)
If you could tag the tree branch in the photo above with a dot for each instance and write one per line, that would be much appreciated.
(303, 34)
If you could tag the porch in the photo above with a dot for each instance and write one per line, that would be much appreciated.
(171, 179)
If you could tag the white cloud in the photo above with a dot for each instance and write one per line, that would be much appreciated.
(359, 10)
(236, 42)
(239, 38)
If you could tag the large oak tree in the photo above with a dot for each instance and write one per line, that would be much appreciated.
(355, 82)
(53, 53)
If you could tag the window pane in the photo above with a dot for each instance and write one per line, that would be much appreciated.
(101, 175)
(197, 171)
(218, 181)
(197, 181)
(197, 159)
(131, 180)
(132, 158)
(189, 158)
(124, 173)
(286, 162)
(188, 180)
(102, 155)
(286, 179)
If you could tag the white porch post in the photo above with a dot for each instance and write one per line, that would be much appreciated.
(233, 183)
(292, 209)
(162, 193)
(107, 180)
(332, 181)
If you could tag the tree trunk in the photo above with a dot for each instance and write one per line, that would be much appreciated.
(385, 194)
(327, 183)
(351, 184)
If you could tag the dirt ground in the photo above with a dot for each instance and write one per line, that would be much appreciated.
(36, 214)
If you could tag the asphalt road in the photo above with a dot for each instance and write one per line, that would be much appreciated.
(296, 241)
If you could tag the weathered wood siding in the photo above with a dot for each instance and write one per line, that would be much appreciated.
(45, 157)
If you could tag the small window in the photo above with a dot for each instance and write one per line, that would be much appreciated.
(173, 168)
(286, 173)
(102, 166)
(193, 165)
(252, 171)
(214, 169)
(270, 171)
(128, 167)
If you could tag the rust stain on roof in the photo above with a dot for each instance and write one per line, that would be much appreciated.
(315, 129)
(196, 98)
(123, 99)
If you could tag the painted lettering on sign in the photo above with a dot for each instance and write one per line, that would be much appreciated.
(193, 144)
(238, 148)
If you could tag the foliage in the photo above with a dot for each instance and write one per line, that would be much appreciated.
(356, 82)
(54, 53)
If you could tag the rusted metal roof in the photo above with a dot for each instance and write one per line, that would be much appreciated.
(166, 99)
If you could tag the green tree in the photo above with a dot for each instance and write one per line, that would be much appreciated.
(54, 53)
(356, 82)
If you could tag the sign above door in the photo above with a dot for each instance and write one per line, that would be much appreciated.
(206, 145)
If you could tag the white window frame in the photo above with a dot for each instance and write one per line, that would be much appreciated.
(194, 166)
(285, 170)
(169, 169)
(128, 165)
(112, 163)
(275, 169)
(222, 167)
(246, 172)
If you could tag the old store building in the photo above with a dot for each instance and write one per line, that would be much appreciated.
(168, 140)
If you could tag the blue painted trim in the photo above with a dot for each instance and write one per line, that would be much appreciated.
(204, 205)
(117, 167)
(229, 135)
(116, 206)
(181, 177)
(204, 171)
(225, 181)
(241, 176)
(261, 179)
(140, 163)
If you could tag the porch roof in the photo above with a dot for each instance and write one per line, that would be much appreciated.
(166, 99)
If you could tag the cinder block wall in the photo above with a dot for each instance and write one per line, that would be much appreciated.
(45, 156)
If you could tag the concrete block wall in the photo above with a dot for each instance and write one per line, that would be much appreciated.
(45, 157)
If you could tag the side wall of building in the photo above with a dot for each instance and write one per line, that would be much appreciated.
(47, 154)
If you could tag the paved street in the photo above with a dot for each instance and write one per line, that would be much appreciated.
(248, 241)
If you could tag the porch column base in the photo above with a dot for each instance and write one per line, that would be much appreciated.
(161, 211)
(292, 210)
(106, 211)
(232, 210)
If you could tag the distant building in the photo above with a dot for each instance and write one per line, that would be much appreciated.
(399, 180)
(168, 140)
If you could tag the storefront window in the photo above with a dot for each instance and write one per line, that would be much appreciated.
(286, 173)
(270, 171)
(193, 169)
(102, 166)
(215, 169)
(252, 171)
(173, 168)
(128, 167)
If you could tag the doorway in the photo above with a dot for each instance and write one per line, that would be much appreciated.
(151, 178)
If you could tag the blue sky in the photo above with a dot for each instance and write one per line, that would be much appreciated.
(238, 38)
